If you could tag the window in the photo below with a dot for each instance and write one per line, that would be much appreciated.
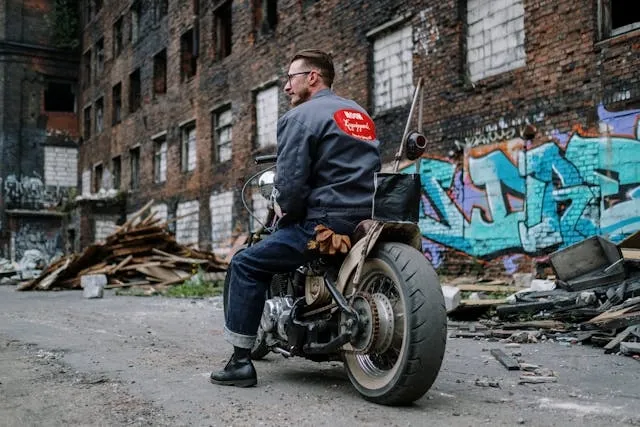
(99, 56)
(266, 116)
(116, 167)
(222, 135)
(617, 17)
(160, 72)
(160, 9)
(134, 154)
(134, 28)
(88, 11)
(495, 37)
(188, 147)
(87, 123)
(86, 75)
(265, 15)
(260, 208)
(188, 223)
(118, 44)
(116, 99)
(59, 96)
(393, 69)
(97, 177)
(160, 159)
(221, 209)
(99, 115)
(135, 91)
(98, 5)
(222, 28)
(86, 182)
(188, 54)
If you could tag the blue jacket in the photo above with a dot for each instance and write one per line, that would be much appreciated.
(327, 156)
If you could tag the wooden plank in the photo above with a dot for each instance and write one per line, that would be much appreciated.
(122, 264)
(630, 348)
(481, 302)
(161, 273)
(488, 288)
(615, 343)
(132, 250)
(180, 259)
(631, 253)
(172, 282)
(536, 324)
(135, 216)
(507, 361)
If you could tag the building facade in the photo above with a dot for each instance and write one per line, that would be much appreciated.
(177, 97)
(38, 125)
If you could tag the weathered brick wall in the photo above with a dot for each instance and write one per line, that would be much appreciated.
(490, 194)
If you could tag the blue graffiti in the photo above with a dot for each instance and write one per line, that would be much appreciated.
(544, 198)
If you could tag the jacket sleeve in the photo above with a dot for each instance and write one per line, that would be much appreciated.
(293, 167)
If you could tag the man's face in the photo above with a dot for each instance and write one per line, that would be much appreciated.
(297, 85)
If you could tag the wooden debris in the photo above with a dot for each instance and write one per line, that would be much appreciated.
(141, 252)
(531, 379)
(613, 345)
(507, 361)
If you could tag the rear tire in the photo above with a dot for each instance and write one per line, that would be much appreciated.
(408, 367)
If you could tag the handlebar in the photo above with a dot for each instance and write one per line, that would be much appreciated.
(269, 158)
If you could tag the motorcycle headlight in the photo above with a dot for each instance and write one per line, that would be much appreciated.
(265, 184)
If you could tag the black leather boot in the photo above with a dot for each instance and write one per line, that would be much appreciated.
(239, 370)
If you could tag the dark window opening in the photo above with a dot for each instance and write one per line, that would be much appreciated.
(196, 6)
(624, 13)
(222, 28)
(100, 56)
(98, 4)
(134, 28)
(160, 72)
(116, 166)
(265, 15)
(86, 60)
(135, 91)
(118, 43)
(87, 123)
(88, 11)
(160, 9)
(116, 98)
(188, 54)
(59, 97)
(135, 168)
(97, 178)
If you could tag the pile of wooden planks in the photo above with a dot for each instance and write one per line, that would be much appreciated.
(141, 252)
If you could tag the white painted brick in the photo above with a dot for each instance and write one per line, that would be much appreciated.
(221, 208)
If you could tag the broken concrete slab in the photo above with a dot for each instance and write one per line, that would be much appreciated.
(507, 361)
(531, 379)
(93, 285)
(452, 297)
(630, 348)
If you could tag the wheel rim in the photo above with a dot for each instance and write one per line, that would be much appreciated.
(375, 370)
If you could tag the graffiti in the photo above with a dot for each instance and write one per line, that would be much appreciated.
(35, 236)
(503, 130)
(516, 197)
(29, 192)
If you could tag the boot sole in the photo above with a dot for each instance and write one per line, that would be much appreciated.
(238, 383)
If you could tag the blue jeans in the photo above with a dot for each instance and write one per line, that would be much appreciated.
(252, 269)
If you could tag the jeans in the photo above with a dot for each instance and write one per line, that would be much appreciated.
(252, 269)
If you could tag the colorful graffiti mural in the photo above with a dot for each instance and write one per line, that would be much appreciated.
(514, 197)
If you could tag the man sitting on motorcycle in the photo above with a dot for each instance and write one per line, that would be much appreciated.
(327, 156)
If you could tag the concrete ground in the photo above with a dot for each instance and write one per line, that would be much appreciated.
(65, 360)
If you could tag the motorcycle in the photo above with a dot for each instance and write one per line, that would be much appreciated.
(378, 308)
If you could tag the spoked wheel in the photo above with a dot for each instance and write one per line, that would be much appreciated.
(401, 307)
(260, 349)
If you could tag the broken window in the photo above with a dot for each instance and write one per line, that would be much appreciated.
(97, 177)
(134, 28)
(188, 147)
(160, 72)
(116, 167)
(59, 96)
(222, 124)
(135, 91)
(99, 56)
(222, 28)
(99, 115)
(118, 43)
(87, 123)
(134, 154)
(188, 54)
(265, 15)
(86, 75)
(617, 17)
(160, 159)
(266, 117)
(116, 99)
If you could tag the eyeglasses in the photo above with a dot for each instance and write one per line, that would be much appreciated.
(288, 79)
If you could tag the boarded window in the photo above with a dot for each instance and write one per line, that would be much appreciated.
(393, 69)
(160, 159)
(99, 115)
(134, 15)
(134, 164)
(188, 54)
(118, 42)
(188, 223)
(135, 91)
(495, 37)
(188, 147)
(221, 208)
(59, 96)
(87, 123)
(86, 182)
(116, 167)
(266, 116)
(61, 166)
(116, 104)
(222, 28)
(160, 72)
(260, 208)
(222, 125)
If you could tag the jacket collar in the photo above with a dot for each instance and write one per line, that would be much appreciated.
(323, 92)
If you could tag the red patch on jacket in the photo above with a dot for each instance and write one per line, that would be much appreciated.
(356, 124)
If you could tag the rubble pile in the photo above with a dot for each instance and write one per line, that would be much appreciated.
(141, 252)
(593, 298)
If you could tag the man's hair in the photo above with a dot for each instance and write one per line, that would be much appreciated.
(320, 60)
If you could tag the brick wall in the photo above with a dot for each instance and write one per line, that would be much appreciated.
(61, 166)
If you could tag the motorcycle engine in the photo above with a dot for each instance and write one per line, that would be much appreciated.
(275, 316)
